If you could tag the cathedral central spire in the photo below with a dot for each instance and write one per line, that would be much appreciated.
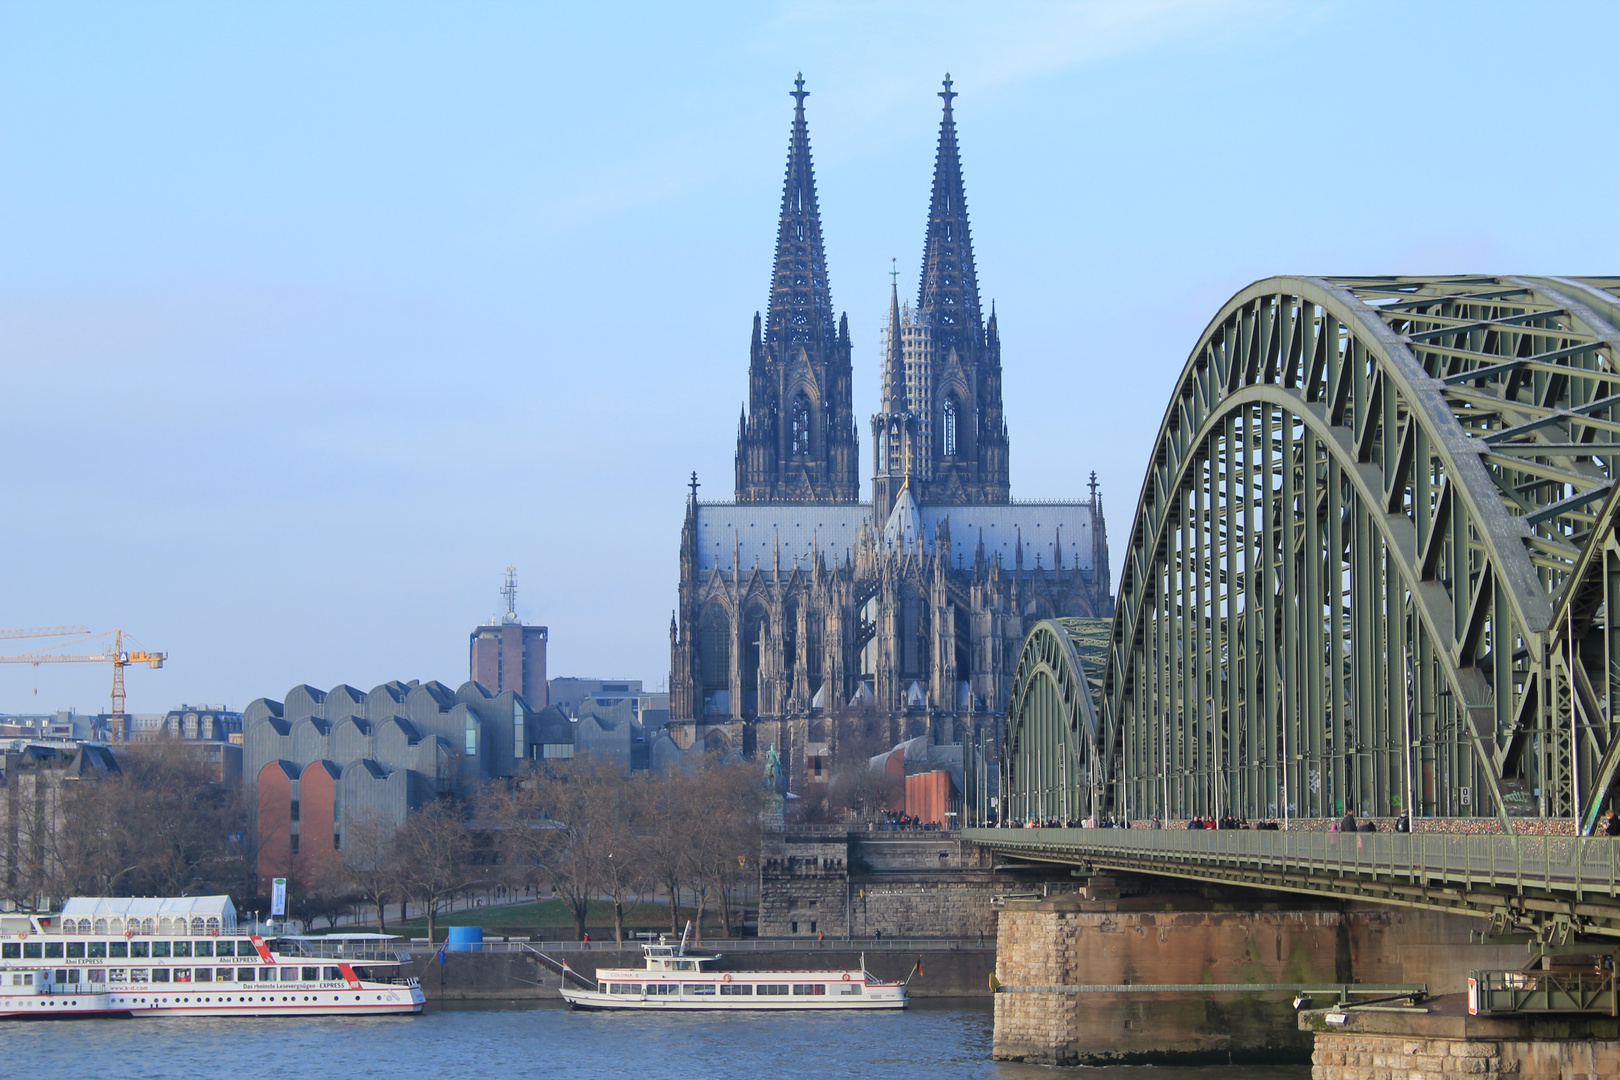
(800, 309)
(948, 297)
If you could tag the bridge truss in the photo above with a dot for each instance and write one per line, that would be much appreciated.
(1371, 566)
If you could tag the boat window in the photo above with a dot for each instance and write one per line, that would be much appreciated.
(289, 974)
(198, 948)
(11, 950)
(166, 926)
(660, 989)
(99, 975)
(147, 926)
(244, 974)
(138, 948)
(213, 925)
(246, 948)
(331, 973)
(53, 950)
(70, 975)
(139, 975)
(685, 965)
(182, 975)
(116, 926)
(809, 989)
(849, 989)
(697, 988)
(161, 948)
(98, 950)
(768, 989)
(310, 974)
(222, 974)
(160, 974)
(736, 990)
(31, 950)
(114, 948)
(101, 926)
(75, 950)
(624, 988)
(204, 975)
(196, 926)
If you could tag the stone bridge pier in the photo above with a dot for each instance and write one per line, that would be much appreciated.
(1074, 970)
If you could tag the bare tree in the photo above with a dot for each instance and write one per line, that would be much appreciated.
(722, 832)
(667, 855)
(560, 823)
(368, 841)
(430, 857)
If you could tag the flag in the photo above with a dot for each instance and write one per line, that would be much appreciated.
(441, 955)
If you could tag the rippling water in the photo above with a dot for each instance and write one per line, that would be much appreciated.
(930, 1041)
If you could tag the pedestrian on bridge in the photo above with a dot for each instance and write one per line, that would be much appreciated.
(1611, 824)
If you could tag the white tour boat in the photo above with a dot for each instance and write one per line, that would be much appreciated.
(673, 978)
(106, 956)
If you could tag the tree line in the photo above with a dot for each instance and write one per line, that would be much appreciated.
(583, 829)
(159, 826)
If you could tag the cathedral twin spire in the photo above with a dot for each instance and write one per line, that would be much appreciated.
(948, 293)
(941, 418)
(801, 301)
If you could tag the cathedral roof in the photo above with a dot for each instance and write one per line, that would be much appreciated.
(753, 531)
(905, 521)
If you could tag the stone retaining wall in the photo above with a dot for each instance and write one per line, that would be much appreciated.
(1371, 1057)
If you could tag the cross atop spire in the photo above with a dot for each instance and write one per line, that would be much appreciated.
(799, 93)
(948, 93)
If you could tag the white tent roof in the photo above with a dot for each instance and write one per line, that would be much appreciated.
(93, 907)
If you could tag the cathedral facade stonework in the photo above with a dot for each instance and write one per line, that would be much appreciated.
(805, 613)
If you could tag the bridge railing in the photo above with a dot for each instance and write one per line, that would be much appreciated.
(1556, 863)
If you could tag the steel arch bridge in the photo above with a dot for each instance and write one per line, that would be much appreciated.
(1378, 514)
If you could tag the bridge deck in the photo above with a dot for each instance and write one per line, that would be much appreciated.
(1570, 883)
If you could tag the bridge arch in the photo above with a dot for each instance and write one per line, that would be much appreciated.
(1348, 581)
(1052, 736)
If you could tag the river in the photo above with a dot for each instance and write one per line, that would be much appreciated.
(937, 1040)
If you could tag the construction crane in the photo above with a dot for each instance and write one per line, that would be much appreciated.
(117, 656)
(45, 631)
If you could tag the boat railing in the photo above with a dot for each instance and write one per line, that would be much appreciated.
(312, 949)
(721, 945)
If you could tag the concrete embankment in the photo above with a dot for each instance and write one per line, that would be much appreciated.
(960, 971)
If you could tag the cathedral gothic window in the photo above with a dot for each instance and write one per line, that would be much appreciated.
(801, 427)
(950, 427)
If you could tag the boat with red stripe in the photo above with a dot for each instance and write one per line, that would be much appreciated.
(186, 956)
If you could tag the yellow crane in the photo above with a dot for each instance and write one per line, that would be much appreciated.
(117, 656)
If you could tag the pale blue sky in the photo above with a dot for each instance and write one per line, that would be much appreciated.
(313, 317)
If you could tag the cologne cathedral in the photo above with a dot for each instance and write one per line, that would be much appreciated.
(802, 609)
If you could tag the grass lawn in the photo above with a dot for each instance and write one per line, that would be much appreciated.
(552, 919)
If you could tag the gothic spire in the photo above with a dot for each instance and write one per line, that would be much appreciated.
(894, 362)
(800, 309)
(948, 297)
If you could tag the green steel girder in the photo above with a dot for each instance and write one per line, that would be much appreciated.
(1349, 578)
(1053, 729)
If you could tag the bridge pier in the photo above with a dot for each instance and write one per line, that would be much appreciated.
(1202, 936)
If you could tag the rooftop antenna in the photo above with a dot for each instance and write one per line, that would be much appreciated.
(509, 591)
